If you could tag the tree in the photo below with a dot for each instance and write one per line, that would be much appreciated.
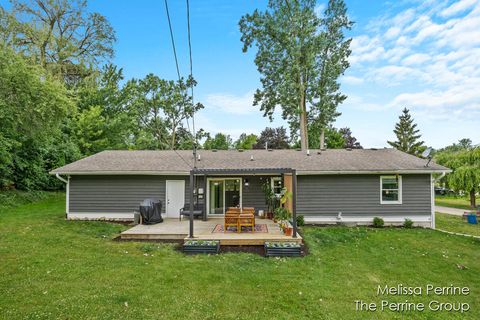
(184, 140)
(407, 135)
(159, 106)
(219, 142)
(350, 141)
(466, 170)
(59, 34)
(32, 107)
(246, 141)
(273, 138)
(103, 92)
(334, 139)
(300, 57)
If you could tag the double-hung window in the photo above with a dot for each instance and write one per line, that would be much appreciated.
(391, 189)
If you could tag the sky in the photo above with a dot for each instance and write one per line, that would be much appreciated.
(423, 55)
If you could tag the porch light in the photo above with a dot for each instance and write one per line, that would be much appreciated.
(246, 183)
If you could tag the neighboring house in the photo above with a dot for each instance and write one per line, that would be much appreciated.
(348, 186)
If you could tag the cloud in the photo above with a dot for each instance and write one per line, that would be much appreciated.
(417, 58)
(230, 103)
(352, 80)
(457, 7)
(426, 57)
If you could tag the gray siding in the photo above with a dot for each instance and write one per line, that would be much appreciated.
(117, 194)
(253, 195)
(360, 195)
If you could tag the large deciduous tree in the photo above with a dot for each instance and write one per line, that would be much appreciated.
(300, 57)
(408, 137)
(273, 138)
(32, 106)
(245, 141)
(466, 170)
(219, 142)
(159, 107)
(60, 35)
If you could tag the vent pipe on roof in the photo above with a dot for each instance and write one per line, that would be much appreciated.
(251, 158)
(199, 157)
(308, 152)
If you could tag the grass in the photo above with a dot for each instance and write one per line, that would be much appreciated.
(52, 268)
(15, 198)
(454, 202)
(452, 223)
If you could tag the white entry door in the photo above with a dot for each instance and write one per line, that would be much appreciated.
(175, 195)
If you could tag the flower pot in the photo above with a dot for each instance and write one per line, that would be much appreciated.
(288, 231)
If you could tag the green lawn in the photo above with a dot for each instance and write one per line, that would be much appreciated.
(454, 223)
(454, 202)
(51, 268)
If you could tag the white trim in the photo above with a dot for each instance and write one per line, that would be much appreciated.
(367, 219)
(299, 172)
(208, 193)
(67, 201)
(432, 200)
(99, 216)
(306, 173)
(166, 197)
(140, 173)
(399, 201)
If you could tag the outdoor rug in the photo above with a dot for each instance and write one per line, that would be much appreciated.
(261, 228)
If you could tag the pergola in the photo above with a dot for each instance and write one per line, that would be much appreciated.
(254, 171)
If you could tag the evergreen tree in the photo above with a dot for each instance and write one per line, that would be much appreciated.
(408, 139)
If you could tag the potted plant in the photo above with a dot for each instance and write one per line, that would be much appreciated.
(271, 200)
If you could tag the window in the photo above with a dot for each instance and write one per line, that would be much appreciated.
(391, 189)
(277, 186)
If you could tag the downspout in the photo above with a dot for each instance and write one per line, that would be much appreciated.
(67, 191)
(433, 180)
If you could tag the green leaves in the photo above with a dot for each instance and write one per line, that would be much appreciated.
(300, 57)
(466, 170)
(408, 139)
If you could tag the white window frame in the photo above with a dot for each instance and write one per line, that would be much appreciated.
(399, 201)
(272, 184)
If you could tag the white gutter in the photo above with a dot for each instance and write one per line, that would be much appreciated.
(60, 178)
(299, 173)
(67, 191)
(432, 186)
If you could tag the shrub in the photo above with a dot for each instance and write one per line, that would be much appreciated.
(408, 223)
(300, 221)
(378, 222)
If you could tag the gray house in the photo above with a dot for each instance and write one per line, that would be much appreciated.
(332, 186)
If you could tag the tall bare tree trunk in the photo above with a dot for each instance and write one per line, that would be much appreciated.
(322, 139)
(303, 120)
(472, 198)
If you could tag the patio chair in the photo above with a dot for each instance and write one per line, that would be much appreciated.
(231, 219)
(246, 219)
(197, 211)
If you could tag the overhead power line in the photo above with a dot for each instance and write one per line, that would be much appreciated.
(175, 55)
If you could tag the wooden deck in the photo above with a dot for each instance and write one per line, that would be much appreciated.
(173, 229)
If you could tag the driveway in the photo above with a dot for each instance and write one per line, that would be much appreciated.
(454, 211)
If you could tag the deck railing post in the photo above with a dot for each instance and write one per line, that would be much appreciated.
(191, 202)
(294, 202)
(204, 218)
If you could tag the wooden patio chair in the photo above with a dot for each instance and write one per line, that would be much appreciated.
(246, 218)
(231, 219)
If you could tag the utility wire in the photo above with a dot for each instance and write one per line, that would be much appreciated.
(178, 73)
(175, 54)
(191, 87)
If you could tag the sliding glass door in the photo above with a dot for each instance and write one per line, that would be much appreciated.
(223, 193)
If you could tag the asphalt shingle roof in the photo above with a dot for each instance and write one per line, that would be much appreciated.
(168, 161)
